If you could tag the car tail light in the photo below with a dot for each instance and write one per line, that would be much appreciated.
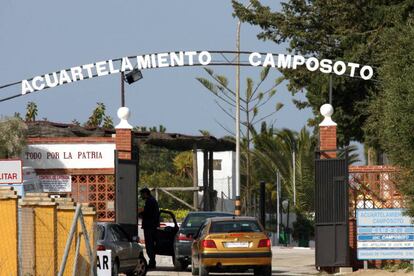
(208, 244)
(100, 248)
(264, 243)
(183, 237)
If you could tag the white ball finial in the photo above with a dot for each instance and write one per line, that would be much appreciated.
(327, 111)
(123, 114)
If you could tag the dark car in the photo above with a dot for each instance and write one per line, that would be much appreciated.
(127, 256)
(184, 237)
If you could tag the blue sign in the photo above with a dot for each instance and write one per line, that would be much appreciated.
(388, 237)
(385, 230)
(384, 234)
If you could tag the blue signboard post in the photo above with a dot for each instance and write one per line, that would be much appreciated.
(384, 234)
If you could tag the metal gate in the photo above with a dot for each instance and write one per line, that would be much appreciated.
(126, 199)
(331, 212)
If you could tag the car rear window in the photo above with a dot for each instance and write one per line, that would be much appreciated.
(195, 220)
(100, 229)
(234, 226)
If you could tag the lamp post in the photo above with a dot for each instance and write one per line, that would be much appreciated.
(237, 210)
(131, 77)
(285, 205)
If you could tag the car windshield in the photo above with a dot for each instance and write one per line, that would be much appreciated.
(195, 220)
(234, 226)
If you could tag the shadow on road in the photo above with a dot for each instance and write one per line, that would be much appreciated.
(169, 270)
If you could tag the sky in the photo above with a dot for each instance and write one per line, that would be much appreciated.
(39, 37)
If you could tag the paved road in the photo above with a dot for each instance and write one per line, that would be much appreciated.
(286, 261)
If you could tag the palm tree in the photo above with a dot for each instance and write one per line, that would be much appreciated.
(31, 112)
(251, 101)
(273, 151)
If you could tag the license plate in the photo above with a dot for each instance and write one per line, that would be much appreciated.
(236, 244)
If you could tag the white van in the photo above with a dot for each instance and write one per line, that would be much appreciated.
(30, 183)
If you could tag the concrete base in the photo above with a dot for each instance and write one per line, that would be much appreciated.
(345, 270)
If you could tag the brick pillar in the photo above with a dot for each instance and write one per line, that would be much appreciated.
(327, 132)
(123, 139)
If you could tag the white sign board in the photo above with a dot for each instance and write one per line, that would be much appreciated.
(69, 156)
(104, 263)
(11, 172)
(56, 183)
(382, 217)
(384, 234)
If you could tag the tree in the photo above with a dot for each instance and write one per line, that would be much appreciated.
(160, 128)
(107, 122)
(160, 167)
(251, 101)
(338, 30)
(183, 164)
(273, 151)
(13, 133)
(31, 112)
(98, 118)
(391, 113)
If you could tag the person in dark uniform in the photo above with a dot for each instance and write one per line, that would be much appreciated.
(150, 221)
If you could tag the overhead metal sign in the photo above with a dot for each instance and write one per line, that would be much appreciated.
(188, 58)
(384, 234)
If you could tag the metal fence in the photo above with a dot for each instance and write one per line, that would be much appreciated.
(36, 235)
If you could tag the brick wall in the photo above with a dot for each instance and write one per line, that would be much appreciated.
(327, 141)
(123, 142)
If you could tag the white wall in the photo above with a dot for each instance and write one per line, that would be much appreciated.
(224, 180)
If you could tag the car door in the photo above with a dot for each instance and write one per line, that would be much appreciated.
(165, 235)
(195, 250)
(123, 247)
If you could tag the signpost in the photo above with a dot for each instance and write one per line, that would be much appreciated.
(11, 172)
(384, 234)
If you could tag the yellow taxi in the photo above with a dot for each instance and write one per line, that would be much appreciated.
(231, 244)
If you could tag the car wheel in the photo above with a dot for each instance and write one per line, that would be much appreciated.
(141, 268)
(263, 271)
(115, 268)
(203, 271)
(179, 265)
(194, 270)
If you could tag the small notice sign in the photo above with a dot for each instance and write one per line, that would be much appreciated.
(104, 263)
(11, 172)
(56, 183)
(384, 234)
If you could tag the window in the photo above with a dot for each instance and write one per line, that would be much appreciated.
(118, 234)
(217, 164)
(235, 226)
(100, 232)
(195, 220)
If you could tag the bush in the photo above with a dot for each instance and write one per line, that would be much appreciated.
(179, 214)
(303, 230)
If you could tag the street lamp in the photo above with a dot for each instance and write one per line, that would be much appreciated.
(131, 77)
(237, 203)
